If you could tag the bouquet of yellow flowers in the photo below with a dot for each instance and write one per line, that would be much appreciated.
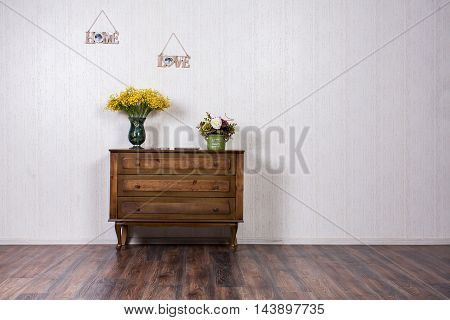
(138, 102)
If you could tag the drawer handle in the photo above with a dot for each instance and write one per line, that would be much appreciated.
(138, 210)
(216, 210)
(138, 163)
(137, 186)
(215, 187)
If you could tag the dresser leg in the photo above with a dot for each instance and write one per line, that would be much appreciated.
(233, 240)
(119, 236)
(123, 238)
(121, 233)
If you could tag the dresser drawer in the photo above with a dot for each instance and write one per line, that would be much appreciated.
(166, 208)
(166, 163)
(171, 185)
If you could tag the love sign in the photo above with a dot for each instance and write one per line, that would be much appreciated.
(178, 61)
(166, 61)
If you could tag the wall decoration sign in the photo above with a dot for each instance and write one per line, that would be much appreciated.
(166, 61)
(102, 37)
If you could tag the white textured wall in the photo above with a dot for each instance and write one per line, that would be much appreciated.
(378, 148)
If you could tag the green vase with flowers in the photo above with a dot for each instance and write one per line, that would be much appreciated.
(217, 131)
(137, 103)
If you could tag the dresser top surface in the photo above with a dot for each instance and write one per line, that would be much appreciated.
(172, 151)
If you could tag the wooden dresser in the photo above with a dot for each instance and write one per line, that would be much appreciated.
(195, 188)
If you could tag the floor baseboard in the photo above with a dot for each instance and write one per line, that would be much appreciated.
(292, 241)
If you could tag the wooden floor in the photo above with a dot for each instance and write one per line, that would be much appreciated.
(213, 272)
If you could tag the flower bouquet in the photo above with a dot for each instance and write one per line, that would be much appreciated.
(217, 131)
(137, 103)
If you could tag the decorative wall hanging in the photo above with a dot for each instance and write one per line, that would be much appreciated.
(97, 37)
(166, 61)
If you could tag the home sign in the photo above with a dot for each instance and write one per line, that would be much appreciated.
(102, 37)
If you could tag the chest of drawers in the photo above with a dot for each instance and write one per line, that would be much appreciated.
(160, 188)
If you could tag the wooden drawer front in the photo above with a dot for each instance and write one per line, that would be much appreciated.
(159, 163)
(190, 185)
(175, 208)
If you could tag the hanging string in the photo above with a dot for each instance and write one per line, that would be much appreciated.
(174, 35)
(99, 17)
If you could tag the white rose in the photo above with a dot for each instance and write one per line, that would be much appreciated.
(216, 123)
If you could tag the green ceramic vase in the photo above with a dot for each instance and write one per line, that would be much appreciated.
(216, 142)
(136, 135)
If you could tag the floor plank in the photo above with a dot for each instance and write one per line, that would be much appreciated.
(215, 272)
